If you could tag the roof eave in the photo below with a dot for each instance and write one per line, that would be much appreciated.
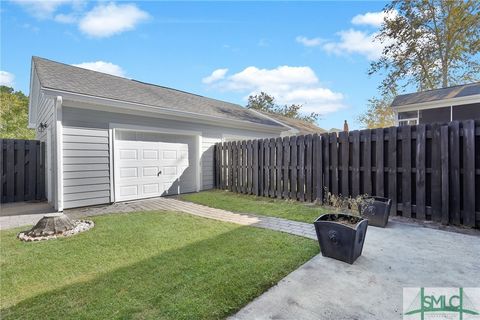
(438, 103)
(177, 114)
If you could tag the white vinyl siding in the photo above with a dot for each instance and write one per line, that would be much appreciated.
(86, 168)
(44, 109)
(86, 136)
(208, 162)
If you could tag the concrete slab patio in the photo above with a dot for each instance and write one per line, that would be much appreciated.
(402, 255)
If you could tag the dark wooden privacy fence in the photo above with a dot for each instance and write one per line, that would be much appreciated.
(431, 172)
(22, 170)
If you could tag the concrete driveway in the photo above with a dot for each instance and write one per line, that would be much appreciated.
(402, 255)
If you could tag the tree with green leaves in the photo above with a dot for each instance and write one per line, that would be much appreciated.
(266, 103)
(429, 44)
(14, 115)
(379, 114)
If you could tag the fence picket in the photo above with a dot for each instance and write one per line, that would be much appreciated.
(436, 177)
(420, 197)
(20, 170)
(367, 163)
(301, 168)
(437, 166)
(286, 168)
(334, 159)
(356, 164)
(455, 171)
(406, 171)
(469, 173)
(308, 167)
(294, 181)
(326, 164)
(279, 166)
(444, 150)
(344, 161)
(392, 168)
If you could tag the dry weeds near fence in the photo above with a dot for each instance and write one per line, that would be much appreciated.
(431, 172)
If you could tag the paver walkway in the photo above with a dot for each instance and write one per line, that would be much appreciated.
(171, 204)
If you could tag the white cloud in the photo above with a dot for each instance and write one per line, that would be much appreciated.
(106, 20)
(374, 19)
(42, 9)
(287, 84)
(66, 18)
(215, 76)
(356, 41)
(102, 66)
(6, 79)
(309, 42)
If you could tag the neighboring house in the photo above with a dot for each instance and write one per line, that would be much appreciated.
(441, 105)
(297, 127)
(113, 139)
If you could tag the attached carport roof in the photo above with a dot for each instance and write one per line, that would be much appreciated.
(64, 77)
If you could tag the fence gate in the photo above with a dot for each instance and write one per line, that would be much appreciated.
(22, 170)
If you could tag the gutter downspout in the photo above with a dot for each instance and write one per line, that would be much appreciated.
(59, 152)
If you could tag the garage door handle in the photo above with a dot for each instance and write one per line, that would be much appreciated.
(159, 173)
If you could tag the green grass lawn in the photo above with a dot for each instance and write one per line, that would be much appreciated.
(236, 202)
(145, 265)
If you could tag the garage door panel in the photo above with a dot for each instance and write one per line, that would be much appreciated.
(126, 154)
(140, 159)
(169, 155)
(152, 188)
(150, 171)
(167, 171)
(128, 191)
(150, 154)
(128, 172)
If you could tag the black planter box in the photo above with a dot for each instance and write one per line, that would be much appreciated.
(376, 210)
(340, 241)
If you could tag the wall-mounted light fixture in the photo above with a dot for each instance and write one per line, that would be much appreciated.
(42, 127)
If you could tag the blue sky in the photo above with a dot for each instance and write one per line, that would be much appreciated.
(313, 53)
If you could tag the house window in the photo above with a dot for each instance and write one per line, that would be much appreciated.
(466, 112)
(408, 118)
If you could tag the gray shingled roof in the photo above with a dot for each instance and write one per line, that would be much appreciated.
(438, 94)
(59, 76)
(303, 127)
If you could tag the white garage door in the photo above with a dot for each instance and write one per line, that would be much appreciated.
(151, 164)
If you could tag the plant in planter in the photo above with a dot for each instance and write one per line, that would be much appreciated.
(341, 234)
(376, 210)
